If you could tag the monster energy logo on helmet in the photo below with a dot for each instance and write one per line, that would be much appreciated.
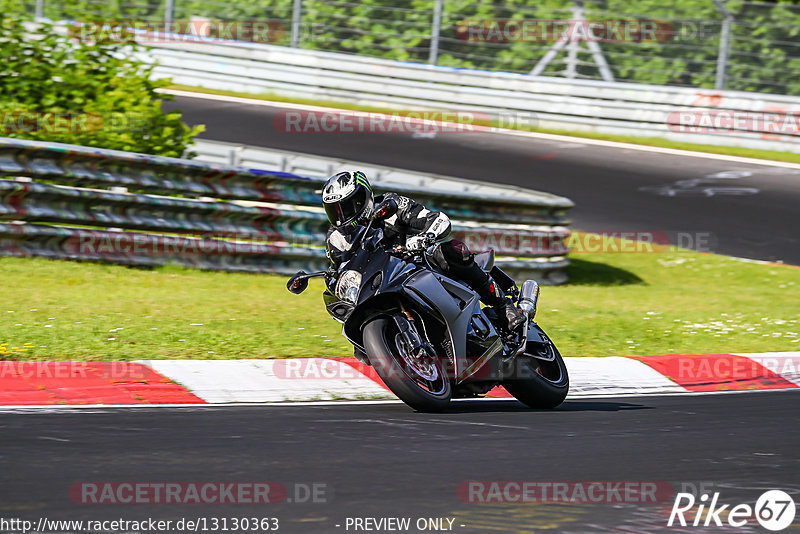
(347, 198)
(362, 179)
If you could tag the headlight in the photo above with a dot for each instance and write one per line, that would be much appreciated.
(348, 285)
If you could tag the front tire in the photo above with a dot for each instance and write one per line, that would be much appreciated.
(541, 378)
(421, 393)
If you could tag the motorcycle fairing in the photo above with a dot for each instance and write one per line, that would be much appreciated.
(440, 293)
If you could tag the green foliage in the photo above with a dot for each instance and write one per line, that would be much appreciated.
(108, 10)
(56, 89)
(764, 50)
(277, 10)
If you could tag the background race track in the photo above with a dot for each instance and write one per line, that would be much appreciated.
(385, 460)
(758, 219)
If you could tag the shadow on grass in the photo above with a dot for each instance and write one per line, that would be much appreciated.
(590, 273)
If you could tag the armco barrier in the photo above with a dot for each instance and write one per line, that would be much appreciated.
(320, 167)
(73, 202)
(153, 250)
(763, 121)
(542, 240)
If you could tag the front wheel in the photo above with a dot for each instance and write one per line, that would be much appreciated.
(419, 382)
(539, 378)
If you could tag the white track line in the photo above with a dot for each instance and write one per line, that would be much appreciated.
(504, 131)
(99, 408)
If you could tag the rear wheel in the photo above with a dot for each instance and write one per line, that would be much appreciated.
(419, 382)
(540, 377)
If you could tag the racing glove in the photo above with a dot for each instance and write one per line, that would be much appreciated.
(420, 241)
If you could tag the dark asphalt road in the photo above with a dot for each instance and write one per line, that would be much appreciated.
(384, 460)
(604, 182)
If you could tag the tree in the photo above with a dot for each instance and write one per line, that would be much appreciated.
(55, 88)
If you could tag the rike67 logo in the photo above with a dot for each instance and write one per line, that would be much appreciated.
(774, 510)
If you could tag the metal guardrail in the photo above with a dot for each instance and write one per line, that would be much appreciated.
(546, 238)
(733, 44)
(445, 192)
(547, 102)
(75, 202)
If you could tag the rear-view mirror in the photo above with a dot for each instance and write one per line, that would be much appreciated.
(298, 283)
(385, 209)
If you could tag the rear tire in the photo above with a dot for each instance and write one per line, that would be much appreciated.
(397, 375)
(542, 384)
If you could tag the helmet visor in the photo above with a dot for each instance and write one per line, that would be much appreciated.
(346, 210)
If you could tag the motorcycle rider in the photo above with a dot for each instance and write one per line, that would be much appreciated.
(349, 202)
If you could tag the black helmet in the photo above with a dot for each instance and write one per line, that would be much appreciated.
(347, 198)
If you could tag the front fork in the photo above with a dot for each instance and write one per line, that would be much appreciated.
(415, 344)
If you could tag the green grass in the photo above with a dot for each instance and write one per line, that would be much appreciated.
(648, 141)
(617, 304)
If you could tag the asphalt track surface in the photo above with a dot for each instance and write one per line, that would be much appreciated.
(758, 219)
(384, 460)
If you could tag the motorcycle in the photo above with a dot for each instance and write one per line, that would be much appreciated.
(426, 335)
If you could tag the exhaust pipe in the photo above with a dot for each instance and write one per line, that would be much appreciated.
(528, 297)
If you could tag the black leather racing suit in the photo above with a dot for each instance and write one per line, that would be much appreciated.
(412, 219)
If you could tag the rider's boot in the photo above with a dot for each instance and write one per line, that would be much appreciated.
(492, 295)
